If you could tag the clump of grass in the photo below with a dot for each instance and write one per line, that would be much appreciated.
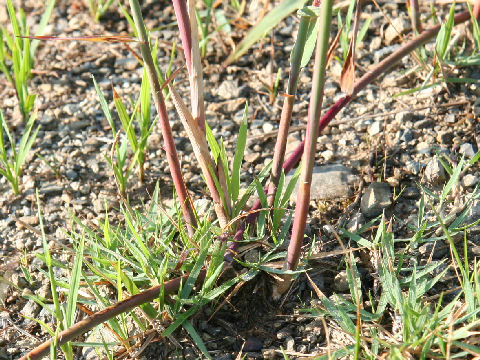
(13, 160)
(174, 253)
(98, 8)
(426, 326)
(17, 54)
(140, 119)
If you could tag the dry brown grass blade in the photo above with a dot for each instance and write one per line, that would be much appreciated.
(334, 45)
(196, 73)
(201, 151)
(347, 78)
(318, 292)
(92, 38)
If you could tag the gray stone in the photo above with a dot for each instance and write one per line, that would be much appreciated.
(71, 174)
(435, 172)
(404, 116)
(469, 180)
(467, 150)
(413, 167)
(267, 127)
(284, 333)
(474, 212)
(398, 26)
(203, 207)
(290, 344)
(315, 327)
(444, 137)
(50, 189)
(450, 118)
(411, 192)
(407, 136)
(376, 198)
(340, 283)
(228, 89)
(328, 155)
(356, 222)
(252, 256)
(31, 309)
(362, 125)
(423, 148)
(328, 182)
(375, 128)
(252, 157)
(383, 52)
(78, 125)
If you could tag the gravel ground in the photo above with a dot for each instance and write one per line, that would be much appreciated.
(376, 138)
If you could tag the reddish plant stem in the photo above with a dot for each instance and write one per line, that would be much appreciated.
(288, 102)
(183, 21)
(366, 79)
(170, 149)
(109, 312)
(314, 116)
(187, 25)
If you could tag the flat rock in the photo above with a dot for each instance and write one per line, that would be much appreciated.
(467, 150)
(398, 26)
(228, 89)
(435, 173)
(469, 180)
(329, 182)
(377, 197)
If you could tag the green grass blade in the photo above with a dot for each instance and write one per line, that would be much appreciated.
(443, 37)
(14, 21)
(453, 180)
(311, 27)
(104, 106)
(74, 284)
(41, 26)
(127, 121)
(251, 188)
(238, 157)
(212, 142)
(272, 19)
(192, 278)
(197, 340)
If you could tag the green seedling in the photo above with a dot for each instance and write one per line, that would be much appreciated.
(53, 165)
(118, 159)
(17, 54)
(63, 312)
(12, 162)
(98, 8)
(204, 19)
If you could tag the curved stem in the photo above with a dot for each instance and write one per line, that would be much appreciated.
(100, 317)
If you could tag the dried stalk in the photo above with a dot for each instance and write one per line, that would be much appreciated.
(171, 151)
(202, 153)
(414, 10)
(187, 25)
